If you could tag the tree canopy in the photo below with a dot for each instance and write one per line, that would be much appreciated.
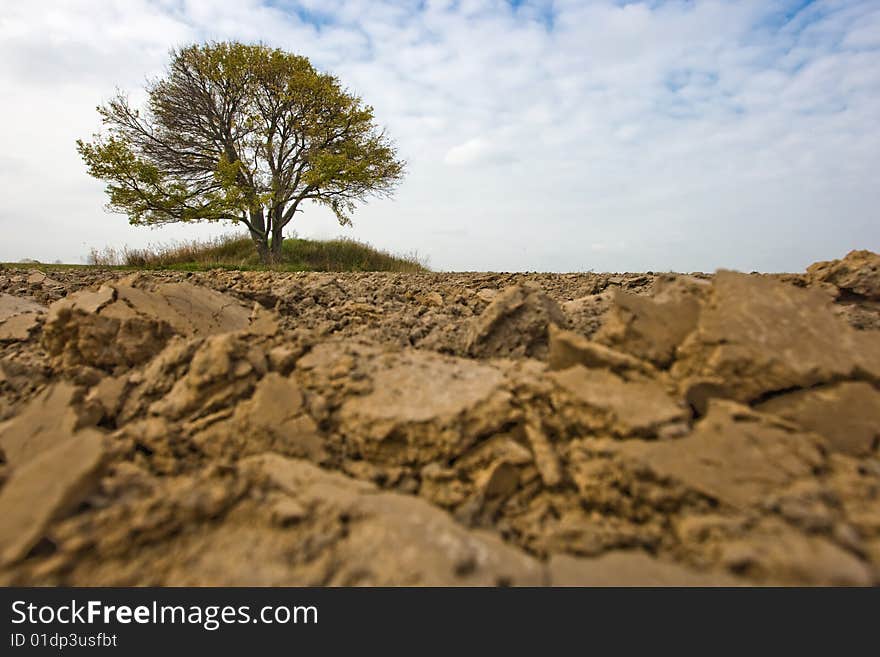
(243, 133)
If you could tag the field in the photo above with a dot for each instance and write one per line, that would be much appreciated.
(236, 427)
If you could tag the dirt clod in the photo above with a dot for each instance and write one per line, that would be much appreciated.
(515, 323)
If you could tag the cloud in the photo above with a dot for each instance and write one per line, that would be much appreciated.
(475, 151)
(700, 133)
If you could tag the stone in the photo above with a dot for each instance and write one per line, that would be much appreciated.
(86, 301)
(273, 419)
(515, 323)
(586, 314)
(109, 394)
(10, 306)
(649, 329)
(286, 511)
(424, 406)
(634, 407)
(18, 317)
(775, 553)
(19, 327)
(698, 392)
(45, 488)
(568, 348)
(846, 414)
(546, 458)
(486, 294)
(431, 299)
(857, 274)
(761, 336)
(46, 422)
(263, 322)
(393, 539)
(121, 326)
(189, 309)
(498, 481)
(223, 368)
(733, 455)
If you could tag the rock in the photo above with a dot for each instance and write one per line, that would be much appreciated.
(286, 511)
(86, 301)
(775, 553)
(733, 455)
(189, 309)
(154, 380)
(109, 395)
(109, 344)
(633, 408)
(44, 488)
(431, 299)
(699, 391)
(282, 359)
(500, 448)
(19, 327)
(515, 323)
(394, 539)
(546, 458)
(499, 481)
(586, 314)
(760, 336)
(411, 543)
(10, 306)
(856, 274)
(630, 568)
(223, 368)
(861, 315)
(649, 329)
(273, 419)
(40, 279)
(567, 349)
(846, 414)
(486, 294)
(121, 326)
(423, 407)
(262, 322)
(18, 317)
(46, 422)
(669, 287)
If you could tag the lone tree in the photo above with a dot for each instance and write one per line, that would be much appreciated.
(241, 133)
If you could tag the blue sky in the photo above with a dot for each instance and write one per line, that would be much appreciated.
(540, 135)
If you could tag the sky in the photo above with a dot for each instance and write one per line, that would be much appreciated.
(539, 135)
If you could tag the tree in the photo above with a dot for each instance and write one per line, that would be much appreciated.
(241, 133)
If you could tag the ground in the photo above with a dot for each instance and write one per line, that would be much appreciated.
(267, 428)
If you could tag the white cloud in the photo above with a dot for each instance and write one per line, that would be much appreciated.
(702, 134)
(474, 151)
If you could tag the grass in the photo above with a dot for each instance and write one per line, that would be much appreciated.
(239, 253)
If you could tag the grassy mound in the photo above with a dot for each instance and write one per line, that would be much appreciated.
(239, 252)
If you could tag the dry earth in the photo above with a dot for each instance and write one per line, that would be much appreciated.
(232, 428)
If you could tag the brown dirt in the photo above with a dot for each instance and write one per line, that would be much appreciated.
(243, 428)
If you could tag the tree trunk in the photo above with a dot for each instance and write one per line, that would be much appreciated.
(277, 241)
(262, 245)
(259, 234)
